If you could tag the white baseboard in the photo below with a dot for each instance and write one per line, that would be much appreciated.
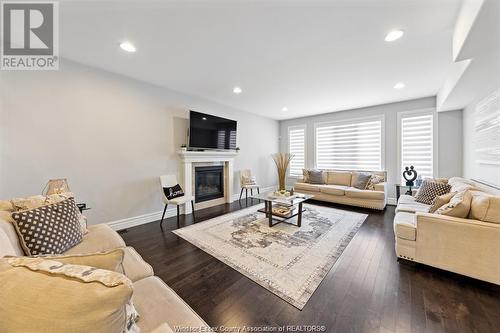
(156, 216)
(152, 217)
(141, 219)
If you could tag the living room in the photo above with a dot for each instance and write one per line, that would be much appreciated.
(236, 166)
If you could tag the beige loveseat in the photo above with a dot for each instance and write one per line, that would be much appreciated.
(466, 246)
(155, 302)
(338, 188)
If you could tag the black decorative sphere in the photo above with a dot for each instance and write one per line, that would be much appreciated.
(410, 174)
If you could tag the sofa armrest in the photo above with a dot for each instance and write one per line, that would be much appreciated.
(381, 187)
(134, 267)
(464, 246)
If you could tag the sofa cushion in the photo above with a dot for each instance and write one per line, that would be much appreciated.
(7, 227)
(485, 207)
(6, 205)
(134, 267)
(339, 178)
(99, 238)
(459, 205)
(430, 190)
(333, 189)
(307, 187)
(364, 194)
(407, 203)
(6, 247)
(405, 226)
(157, 303)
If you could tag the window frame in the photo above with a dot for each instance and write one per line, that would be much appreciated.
(435, 145)
(380, 117)
(295, 127)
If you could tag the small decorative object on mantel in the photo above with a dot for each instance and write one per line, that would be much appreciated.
(56, 186)
(410, 174)
(183, 147)
(237, 149)
(282, 161)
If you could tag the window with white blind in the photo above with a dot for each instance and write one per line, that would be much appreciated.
(352, 145)
(416, 135)
(297, 147)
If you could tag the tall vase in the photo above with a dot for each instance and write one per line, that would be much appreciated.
(282, 161)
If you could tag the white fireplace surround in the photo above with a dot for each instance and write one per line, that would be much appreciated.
(189, 158)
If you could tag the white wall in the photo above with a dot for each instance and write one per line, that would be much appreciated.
(488, 173)
(110, 135)
(449, 136)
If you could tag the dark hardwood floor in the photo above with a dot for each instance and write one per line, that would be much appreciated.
(367, 290)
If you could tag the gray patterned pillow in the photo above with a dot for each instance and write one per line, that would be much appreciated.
(316, 177)
(362, 179)
(429, 190)
(50, 229)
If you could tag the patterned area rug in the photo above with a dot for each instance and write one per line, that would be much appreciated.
(289, 261)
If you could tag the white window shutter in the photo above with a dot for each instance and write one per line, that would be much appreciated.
(296, 146)
(355, 145)
(417, 143)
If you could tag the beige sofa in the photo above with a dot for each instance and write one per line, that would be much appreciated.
(338, 189)
(465, 246)
(155, 302)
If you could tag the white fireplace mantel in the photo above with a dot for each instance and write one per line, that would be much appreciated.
(188, 158)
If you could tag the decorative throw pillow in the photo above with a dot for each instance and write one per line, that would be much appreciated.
(459, 205)
(440, 201)
(19, 204)
(485, 207)
(57, 291)
(173, 192)
(430, 190)
(361, 180)
(375, 179)
(316, 177)
(305, 175)
(109, 260)
(249, 180)
(6, 205)
(28, 203)
(50, 229)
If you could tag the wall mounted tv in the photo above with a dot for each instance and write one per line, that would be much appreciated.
(211, 132)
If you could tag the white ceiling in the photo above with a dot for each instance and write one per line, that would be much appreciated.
(310, 56)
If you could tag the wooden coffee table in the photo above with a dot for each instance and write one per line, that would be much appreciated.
(271, 200)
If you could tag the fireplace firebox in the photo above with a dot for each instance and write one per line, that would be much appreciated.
(208, 183)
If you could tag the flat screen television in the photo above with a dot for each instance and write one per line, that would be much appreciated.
(211, 132)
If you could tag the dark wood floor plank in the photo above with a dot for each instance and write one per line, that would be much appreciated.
(367, 290)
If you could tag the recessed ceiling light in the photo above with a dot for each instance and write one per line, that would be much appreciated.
(285, 109)
(393, 35)
(399, 85)
(237, 90)
(127, 46)
(204, 118)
